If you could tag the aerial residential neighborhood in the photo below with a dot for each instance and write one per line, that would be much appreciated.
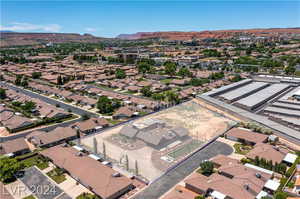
(193, 107)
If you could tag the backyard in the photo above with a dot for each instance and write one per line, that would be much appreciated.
(242, 148)
(57, 175)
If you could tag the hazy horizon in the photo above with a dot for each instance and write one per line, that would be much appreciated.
(111, 18)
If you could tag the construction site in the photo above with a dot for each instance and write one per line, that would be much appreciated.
(149, 146)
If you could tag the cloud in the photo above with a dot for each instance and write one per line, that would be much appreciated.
(90, 29)
(26, 27)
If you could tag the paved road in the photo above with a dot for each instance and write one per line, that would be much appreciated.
(50, 101)
(64, 106)
(174, 176)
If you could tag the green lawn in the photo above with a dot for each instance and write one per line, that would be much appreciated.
(166, 81)
(29, 197)
(57, 175)
(113, 122)
(87, 196)
(37, 160)
(241, 148)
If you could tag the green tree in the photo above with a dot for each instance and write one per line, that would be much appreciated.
(280, 195)
(271, 63)
(24, 82)
(8, 167)
(59, 80)
(211, 53)
(104, 105)
(18, 80)
(184, 72)
(143, 67)
(120, 73)
(198, 81)
(136, 168)
(158, 96)
(290, 70)
(85, 117)
(36, 75)
(256, 160)
(266, 197)
(170, 68)
(207, 167)
(146, 91)
(281, 168)
(172, 97)
(104, 150)
(199, 197)
(29, 106)
(2, 93)
(236, 78)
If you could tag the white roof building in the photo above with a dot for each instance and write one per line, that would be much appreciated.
(272, 185)
(261, 194)
(217, 195)
(290, 158)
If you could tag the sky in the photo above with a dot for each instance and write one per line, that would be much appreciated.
(111, 18)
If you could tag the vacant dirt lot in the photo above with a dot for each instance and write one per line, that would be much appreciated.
(201, 123)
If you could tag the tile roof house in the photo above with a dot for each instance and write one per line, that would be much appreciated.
(180, 192)
(221, 160)
(123, 113)
(246, 136)
(241, 181)
(91, 125)
(179, 82)
(52, 138)
(100, 179)
(133, 88)
(15, 122)
(268, 152)
(14, 147)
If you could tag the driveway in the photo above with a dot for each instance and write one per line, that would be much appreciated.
(39, 184)
(174, 176)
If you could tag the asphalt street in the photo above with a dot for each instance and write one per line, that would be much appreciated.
(62, 105)
(50, 101)
(156, 189)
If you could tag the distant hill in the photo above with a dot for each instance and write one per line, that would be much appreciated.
(174, 35)
(6, 31)
(19, 39)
